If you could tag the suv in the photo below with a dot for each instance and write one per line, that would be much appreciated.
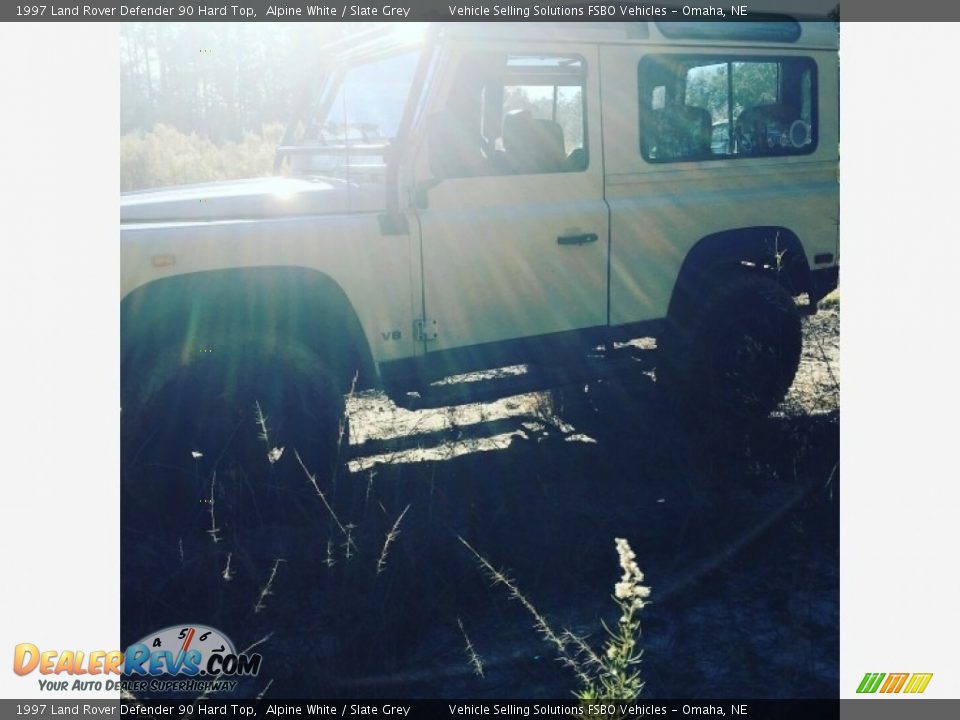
(474, 196)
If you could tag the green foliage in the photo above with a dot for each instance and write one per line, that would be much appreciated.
(218, 80)
(166, 156)
(754, 83)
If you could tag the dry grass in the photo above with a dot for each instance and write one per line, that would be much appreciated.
(268, 588)
(391, 536)
(552, 637)
(475, 662)
(611, 674)
(832, 300)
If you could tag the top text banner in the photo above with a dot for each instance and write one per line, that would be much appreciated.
(468, 10)
(473, 10)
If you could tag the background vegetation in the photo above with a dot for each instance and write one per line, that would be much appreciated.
(208, 101)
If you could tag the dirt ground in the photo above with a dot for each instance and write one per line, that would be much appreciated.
(739, 542)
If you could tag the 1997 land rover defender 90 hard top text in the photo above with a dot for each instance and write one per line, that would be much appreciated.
(474, 195)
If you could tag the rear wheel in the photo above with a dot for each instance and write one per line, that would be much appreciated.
(735, 353)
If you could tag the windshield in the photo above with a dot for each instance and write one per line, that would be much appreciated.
(349, 132)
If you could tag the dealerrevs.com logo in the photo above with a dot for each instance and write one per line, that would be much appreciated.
(177, 658)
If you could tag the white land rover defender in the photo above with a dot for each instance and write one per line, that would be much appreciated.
(477, 195)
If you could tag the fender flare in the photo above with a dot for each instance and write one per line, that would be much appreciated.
(295, 313)
(769, 249)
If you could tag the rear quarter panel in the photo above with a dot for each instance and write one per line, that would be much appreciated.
(660, 210)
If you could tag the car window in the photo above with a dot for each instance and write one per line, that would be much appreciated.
(512, 115)
(701, 108)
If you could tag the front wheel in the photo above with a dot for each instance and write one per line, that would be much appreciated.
(233, 409)
(212, 493)
(734, 358)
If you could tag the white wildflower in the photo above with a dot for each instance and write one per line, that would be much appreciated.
(629, 587)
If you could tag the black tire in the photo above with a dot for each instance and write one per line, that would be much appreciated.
(263, 510)
(210, 406)
(732, 355)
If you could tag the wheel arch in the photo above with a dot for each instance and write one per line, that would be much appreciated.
(768, 249)
(295, 313)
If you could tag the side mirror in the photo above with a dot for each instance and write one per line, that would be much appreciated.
(454, 150)
(422, 189)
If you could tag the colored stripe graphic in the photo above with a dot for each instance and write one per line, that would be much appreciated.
(870, 682)
(918, 682)
(894, 683)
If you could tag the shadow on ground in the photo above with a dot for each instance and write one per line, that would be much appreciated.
(738, 539)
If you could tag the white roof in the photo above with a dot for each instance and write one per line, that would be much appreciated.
(812, 34)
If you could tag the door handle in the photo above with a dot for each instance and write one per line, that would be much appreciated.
(582, 239)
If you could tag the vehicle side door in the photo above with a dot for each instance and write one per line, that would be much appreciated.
(509, 184)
